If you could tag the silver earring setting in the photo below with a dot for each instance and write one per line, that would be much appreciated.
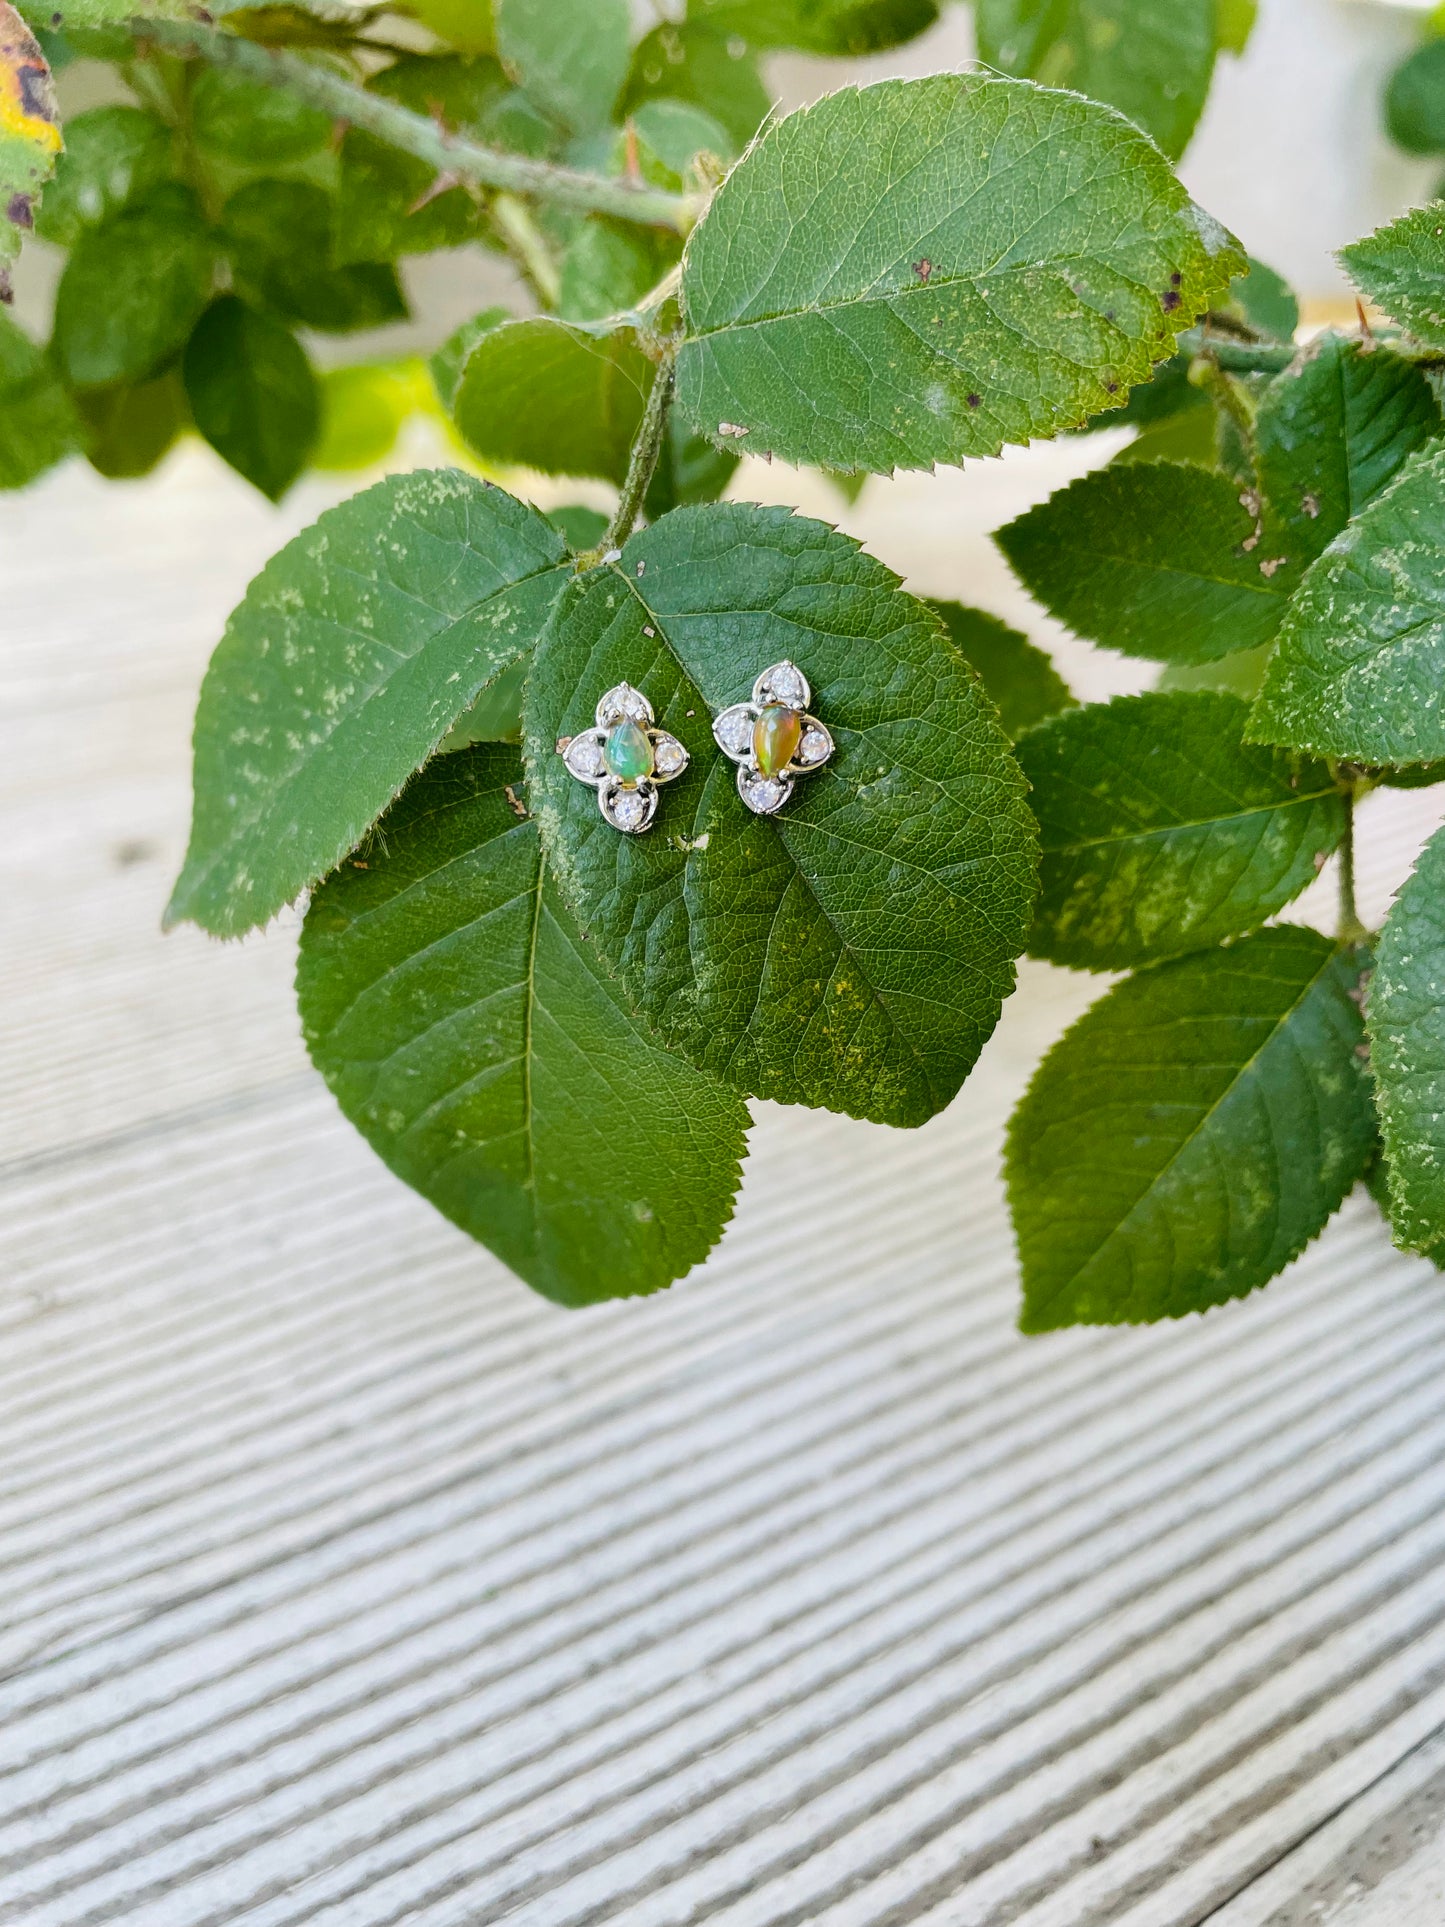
(773, 739)
(624, 759)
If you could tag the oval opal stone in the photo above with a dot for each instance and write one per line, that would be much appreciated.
(776, 735)
(628, 754)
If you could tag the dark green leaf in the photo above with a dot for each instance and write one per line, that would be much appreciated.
(128, 429)
(820, 26)
(450, 359)
(1330, 433)
(1402, 268)
(906, 273)
(554, 397)
(1168, 393)
(852, 951)
(1377, 1182)
(715, 71)
(1150, 559)
(1180, 438)
(1022, 683)
(1415, 101)
(1360, 667)
(1152, 59)
(111, 155)
(570, 56)
(252, 393)
(247, 121)
(354, 651)
(584, 528)
(38, 426)
(279, 236)
(132, 291)
(690, 470)
(1191, 1133)
(1407, 1049)
(470, 1034)
(1266, 301)
(1163, 832)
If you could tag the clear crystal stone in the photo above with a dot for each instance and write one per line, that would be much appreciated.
(734, 729)
(784, 684)
(669, 756)
(816, 746)
(763, 794)
(622, 703)
(583, 755)
(629, 809)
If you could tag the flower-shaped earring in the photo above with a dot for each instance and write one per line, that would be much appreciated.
(624, 759)
(773, 739)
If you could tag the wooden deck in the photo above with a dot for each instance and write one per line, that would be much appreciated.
(345, 1584)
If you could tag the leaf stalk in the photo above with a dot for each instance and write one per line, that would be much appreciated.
(642, 462)
(399, 127)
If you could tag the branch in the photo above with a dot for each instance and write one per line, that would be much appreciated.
(399, 127)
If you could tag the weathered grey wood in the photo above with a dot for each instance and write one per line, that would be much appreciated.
(344, 1583)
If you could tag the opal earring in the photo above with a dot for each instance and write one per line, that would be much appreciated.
(772, 738)
(624, 759)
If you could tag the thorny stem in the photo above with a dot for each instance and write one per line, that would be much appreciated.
(643, 459)
(398, 126)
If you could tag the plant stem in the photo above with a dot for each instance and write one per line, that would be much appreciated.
(643, 459)
(387, 120)
(526, 245)
(1351, 930)
(1238, 357)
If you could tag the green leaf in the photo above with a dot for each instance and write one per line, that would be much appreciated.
(1415, 101)
(1163, 831)
(676, 132)
(1330, 433)
(450, 359)
(689, 470)
(252, 393)
(570, 56)
(29, 134)
(1150, 559)
(112, 154)
(1152, 59)
(1402, 268)
(352, 654)
(1360, 667)
(553, 397)
(1180, 438)
(923, 270)
(1377, 1183)
(820, 26)
(1234, 23)
(852, 951)
(38, 426)
(466, 25)
(247, 121)
(584, 528)
(715, 71)
(1191, 1133)
(362, 410)
(279, 236)
(609, 266)
(132, 290)
(128, 429)
(1022, 683)
(1406, 1010)
(1266, 301)
(1168, 393)
(467, 1029)
(1238, 675)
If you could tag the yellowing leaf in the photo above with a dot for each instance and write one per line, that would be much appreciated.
(29, 133)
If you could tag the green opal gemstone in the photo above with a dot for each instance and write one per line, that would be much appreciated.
(776, 735)
(628, 752)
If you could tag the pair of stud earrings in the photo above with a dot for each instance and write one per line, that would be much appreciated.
(772, 739)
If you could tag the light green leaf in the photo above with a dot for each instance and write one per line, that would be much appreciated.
(450, 359)
(555, 397)
(853, 950)
(1359, 670)
(922, 270)
(112, 154)
(1022, 683)
(1415, 101)
(1406, 1011)
(609, 266)
(246, 121)
(692, 62)
(1330, 433)
(1191, 1134)
(363, 406)
(1163, 832)
(1156, 559)
(819, 26)
(129, 428)
(1180, 438)
(570, 56)
(470, 1034)
(466, 25)
(279, 236)
(352, 654)
(252, 393)
(38, 425)
(1152, 59)
(1237, 675)
(676, 132)
(1235, 23)
(1402, 269)
(132, 290)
